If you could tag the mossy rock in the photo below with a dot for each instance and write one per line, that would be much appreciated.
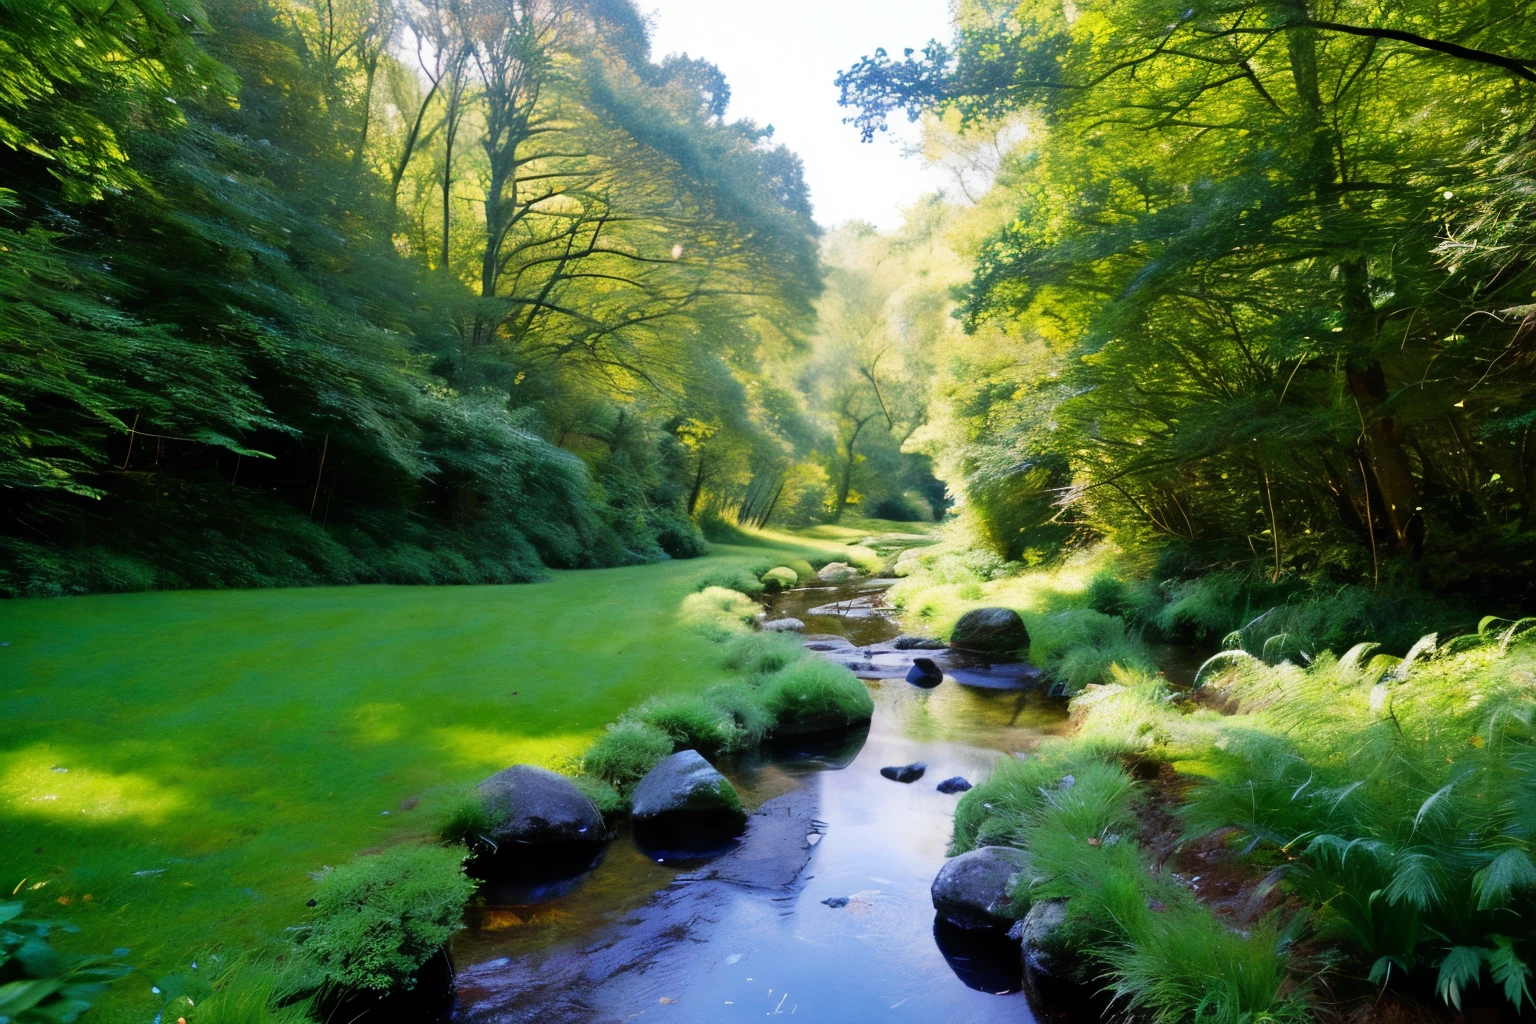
(685, 784)
(779, 578)
(991, 631)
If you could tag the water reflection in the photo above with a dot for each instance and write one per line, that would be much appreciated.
(984, 959)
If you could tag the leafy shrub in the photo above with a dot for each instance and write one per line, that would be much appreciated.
(38, 983)
(625, 752)
(381, 917)
(814, 687)
(718, 613)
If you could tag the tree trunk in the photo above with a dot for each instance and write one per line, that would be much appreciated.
(698, 488)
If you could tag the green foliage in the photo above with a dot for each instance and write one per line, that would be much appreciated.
(38, 984)
(249, 991)
(625, 752)
(380, 918)
(465, 819)
(1217, 310)
(690, 722)
(742, 580)
(719, 613)
(814, 688)
(780, 578)
(233, 355)
(756, 655)
(802, 569)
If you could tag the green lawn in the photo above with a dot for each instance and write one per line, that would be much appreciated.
(174, 765)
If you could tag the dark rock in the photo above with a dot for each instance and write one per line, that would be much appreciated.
(975, 890)
(684, 810)
(906, 642)
(685, 783)
(991, 631)
(1039, 936)
(534, 807)
(954, 785)
(924, 673)
(836, 902)
(905, 772)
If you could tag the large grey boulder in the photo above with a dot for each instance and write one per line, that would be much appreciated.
(975, 890)
(1039, 936)
(534, 807)
(685, 784)
(836, 572)
(991, 631)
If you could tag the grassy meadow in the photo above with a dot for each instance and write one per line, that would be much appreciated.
(176, 765)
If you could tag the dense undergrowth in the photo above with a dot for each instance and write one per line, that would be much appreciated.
(1376, 812)
(1099, 607)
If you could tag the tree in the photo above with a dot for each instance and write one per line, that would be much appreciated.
(1229, 239)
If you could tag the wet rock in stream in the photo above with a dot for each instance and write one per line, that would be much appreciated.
(788, 624)
(975, 889)
(907, 642)
(539, 819)
(990, 631)
(685, 808)
(905, 772)
(953, 785)
(924, 673)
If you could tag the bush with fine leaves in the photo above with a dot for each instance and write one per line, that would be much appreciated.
(379, 919)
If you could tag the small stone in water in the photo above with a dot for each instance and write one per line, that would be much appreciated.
(836, 902)
(954, 785)
(905, 772)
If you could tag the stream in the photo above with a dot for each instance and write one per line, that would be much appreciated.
(746, 933)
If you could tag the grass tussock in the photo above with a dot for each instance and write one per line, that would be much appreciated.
(719, 613)
(465, 819)
(813, 688)
(625, 752)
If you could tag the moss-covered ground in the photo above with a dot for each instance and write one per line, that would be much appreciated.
(174, 766)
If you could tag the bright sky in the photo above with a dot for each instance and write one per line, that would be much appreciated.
(780, 57)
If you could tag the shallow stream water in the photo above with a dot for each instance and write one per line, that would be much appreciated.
(746, 934)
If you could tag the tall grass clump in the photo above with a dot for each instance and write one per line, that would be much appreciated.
(741, 580)
(380, 918)
(466, 819)
(690, 721)
(625, 752)
(719, 613)
(1080, 646)
(761, 654)
(814, 689)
